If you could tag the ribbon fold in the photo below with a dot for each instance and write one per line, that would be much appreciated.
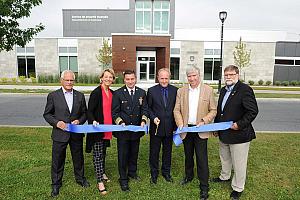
(204, 128)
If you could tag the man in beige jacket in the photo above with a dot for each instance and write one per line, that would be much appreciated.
(195, 106)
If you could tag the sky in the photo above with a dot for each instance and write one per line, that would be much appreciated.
(283, 15)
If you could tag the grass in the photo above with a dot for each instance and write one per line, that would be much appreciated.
(276, 95)
(25, 159)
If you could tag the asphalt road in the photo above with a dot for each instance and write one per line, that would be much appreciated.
(27, 109)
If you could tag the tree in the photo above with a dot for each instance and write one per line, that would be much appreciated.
(241, 56)
(10, 33)
(104, 56)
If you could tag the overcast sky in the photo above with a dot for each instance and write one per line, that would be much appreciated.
(242, 14)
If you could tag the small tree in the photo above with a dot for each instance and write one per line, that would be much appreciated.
(10, 14)
(241, 56)
(105, 54)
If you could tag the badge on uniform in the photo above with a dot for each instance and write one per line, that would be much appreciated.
(124, 101)
(141, 101)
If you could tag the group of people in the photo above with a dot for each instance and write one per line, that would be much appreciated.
(167, 108)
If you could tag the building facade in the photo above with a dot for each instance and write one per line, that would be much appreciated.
(144, 39)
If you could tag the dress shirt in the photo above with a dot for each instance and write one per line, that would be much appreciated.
(228, 91)
(69, 98)
(129, 90)
(193, 104)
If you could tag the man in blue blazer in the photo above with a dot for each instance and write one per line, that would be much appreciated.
(161, 100)
(66, 105)
(236, 103)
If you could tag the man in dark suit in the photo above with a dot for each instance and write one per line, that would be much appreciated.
(236, 103)
(66, 105)
(161, 100)
(129, 107)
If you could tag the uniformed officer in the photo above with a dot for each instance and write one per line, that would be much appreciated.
(129, 107)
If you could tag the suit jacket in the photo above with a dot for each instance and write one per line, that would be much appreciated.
(157, 109)
(95, 113)
(241, 107)
(206, 111)
(129, 111)
(57, 110)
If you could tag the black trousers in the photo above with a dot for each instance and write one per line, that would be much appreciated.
(155, 143)
(59, 157)
(193, 143)
(128, 151)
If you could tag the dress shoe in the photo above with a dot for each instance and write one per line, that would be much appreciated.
(84, 183)
(235, 195)
(203, 195)
(125, 188)
(153, 180)
(55, 192)
(185, 181)
(168, 178)
(218, 180)
(135, 177)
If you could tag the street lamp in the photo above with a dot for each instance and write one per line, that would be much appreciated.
(222, 16)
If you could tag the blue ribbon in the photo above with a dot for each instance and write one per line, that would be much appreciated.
(104, 128)
(204, 128)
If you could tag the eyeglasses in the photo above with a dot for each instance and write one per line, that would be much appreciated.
(229, 75)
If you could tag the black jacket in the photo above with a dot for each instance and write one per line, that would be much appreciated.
(128, 111)
(241, 107)
(157, 109)
(95, 113)
(57, 109)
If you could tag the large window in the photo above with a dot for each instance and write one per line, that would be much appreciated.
(161, 15)
(26, 66)
(143, 11)
(68, 63)
(174, 68)
(212, 68)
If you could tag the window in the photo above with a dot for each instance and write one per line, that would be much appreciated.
(26, 66)
(284, 62)
(161, 16)
(212, 68)
(68, 63)
(143, 16)
(174, 68)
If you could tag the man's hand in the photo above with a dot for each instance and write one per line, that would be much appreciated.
(76, 122)
(200, 124)
(235, 126)
(95, 123)
(62, 125)
(180, 127)
(156, 121)
(143, 124)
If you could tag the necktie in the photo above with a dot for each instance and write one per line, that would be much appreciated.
(131, 94)
(165, 96)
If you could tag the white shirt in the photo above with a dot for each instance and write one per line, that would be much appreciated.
(129, 90)
(193, 104)
(69, 98)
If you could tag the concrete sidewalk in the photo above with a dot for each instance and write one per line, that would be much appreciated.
(145, 86)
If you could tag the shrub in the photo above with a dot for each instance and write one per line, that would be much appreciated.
(277, 83)
(119, 79)
(260, 82)
(268, 83)
(4, 80)
(285, 83)
(294, 83)
(251, 82)
(22, 79)
(14, 80)
(33, 80)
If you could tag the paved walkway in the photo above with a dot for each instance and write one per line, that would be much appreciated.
(141, 85)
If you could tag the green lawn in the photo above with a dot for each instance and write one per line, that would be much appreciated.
(25, 158)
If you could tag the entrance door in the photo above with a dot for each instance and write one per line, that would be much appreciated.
(146, 66)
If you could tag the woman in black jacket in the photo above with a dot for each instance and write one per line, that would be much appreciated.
(99, 112)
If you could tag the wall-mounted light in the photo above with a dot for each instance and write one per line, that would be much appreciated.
(124, 61)
(124, 48)
(192, 58)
